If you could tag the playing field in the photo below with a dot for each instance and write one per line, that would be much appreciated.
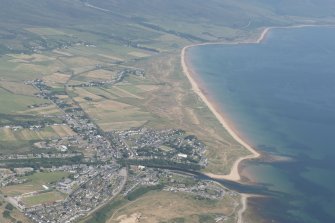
(43, 198)
(35, 183)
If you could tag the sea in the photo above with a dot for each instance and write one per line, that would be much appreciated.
(280, 96)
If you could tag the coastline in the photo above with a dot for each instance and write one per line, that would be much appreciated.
(234, 174)
(244, 198)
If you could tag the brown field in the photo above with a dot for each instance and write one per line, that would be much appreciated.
(74, 82)
(80, 61)
(18, 189)
(18, 88)
(108, 126)
(126, 93)
(35, 68)
(102, 92)
(47, 110)
(122, 93)
(83, 92)
(82, 69)
(56, 79)
(7, 134)
(146, 87)
(109, 113)
(138, 54)
(45, 31)
(100, 74)
(63, 130)
(62, 53)
(166, 206)
(112, 57)
(27, 58)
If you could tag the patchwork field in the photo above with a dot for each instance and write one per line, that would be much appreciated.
(105, 106)
(104, 75)
(48, 109)
(14, 103)
(46, 31)
(56, 80)
(7, 134)
(18, 88)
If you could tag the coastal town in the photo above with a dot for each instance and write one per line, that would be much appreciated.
(97, 166)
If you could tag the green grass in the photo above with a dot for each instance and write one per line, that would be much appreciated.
(11, 103)
(34, 183)
(9, 135)
(46, 31)
(15, 147)
(101, 92)
(132, 89)
(43, 198)
(141, 191)
(46, 178)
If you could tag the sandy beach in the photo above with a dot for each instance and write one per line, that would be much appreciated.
(234, 174)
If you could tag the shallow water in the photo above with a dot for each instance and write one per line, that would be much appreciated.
(280, 95)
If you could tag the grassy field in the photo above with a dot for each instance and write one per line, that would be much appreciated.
(35, 183)
(56, 131)
(174, 207)
(18, 88)
(109, 107)
(49, 109)
(13, 103)
(43, 198)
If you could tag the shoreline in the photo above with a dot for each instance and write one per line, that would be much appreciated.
(234, 174)
(244, 199)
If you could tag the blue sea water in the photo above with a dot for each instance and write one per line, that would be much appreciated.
(280, 95)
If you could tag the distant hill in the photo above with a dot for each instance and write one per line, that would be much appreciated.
(141, 21)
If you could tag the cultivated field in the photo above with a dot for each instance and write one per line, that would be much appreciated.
(7, 134)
